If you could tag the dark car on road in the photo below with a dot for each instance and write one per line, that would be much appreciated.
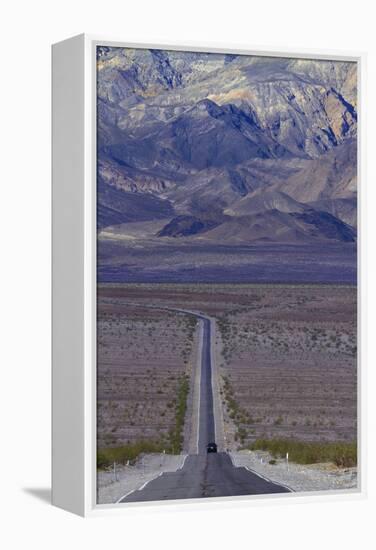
(211, 448)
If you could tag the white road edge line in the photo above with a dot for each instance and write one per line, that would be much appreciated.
(260, 475)
(182, 466)
(269, 480)
(146, 482)
(124, 496)
(211, 338)
(138, 489)
(201, 346)
(216, 387)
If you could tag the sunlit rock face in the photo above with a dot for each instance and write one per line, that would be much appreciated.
(212, 148)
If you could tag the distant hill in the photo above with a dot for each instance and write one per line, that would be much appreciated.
(221, 149)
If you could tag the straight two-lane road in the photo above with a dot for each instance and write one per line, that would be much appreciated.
(205, 474)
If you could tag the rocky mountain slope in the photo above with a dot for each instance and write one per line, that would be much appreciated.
(224, 149)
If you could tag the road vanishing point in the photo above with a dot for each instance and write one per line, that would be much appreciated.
(205, 474)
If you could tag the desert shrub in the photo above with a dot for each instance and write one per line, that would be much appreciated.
(107, 456)
(102, 460)
(176, 434)
(242, 434)
(239, 415)
(343, 454)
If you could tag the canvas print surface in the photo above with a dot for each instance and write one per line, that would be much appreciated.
(226, 273)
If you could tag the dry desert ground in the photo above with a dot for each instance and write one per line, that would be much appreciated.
(286, 357)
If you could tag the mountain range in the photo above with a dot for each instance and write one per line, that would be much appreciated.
(205, 160)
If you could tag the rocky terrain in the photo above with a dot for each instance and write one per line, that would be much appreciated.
(210, 159)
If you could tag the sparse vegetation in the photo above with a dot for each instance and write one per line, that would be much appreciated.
(240, 416)
(284, 357)
(144, 363)
(107, 456)
(287, 363)
(342, 454)
(173, 444)
(176, 434)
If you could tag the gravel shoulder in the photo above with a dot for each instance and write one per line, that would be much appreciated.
(191, 417)
(111, 488)
(217, 404)
(297, 477)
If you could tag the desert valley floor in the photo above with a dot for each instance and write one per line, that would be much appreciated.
(286, 358)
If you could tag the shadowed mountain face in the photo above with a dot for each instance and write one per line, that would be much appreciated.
(224, 153)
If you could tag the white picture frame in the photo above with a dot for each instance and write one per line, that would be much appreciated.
(74, 274)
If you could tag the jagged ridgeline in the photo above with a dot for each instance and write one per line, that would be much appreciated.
(210, 163)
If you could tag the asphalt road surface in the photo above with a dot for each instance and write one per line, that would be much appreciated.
(205, 474)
